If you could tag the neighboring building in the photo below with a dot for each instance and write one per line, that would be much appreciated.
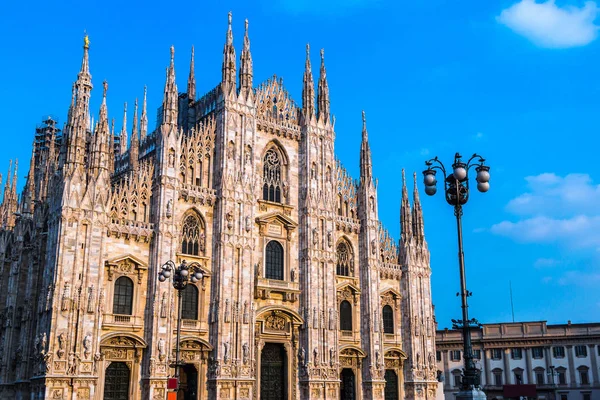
(305, 294)
(562, 361)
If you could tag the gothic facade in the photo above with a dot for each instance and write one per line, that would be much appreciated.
(304, 295)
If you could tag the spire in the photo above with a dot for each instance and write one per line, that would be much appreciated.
(7, 185)
(102, 142)
(308, 89)
(405, 214)
(111, 146)
(246, 63)
(144, 119)
(84, 80)
(79, 112)
(13, 186)
(323, 95)
(134, 130)
(228, 68)
(170, 99)
(366, 169)
(417, 215)
(191, 88)
(124, 130)
(134, 147)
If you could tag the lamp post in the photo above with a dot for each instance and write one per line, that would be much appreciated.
(181, 274)
(456, 189)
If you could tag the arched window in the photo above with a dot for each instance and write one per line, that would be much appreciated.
(274, 261)
(192, 236)
(123, 297)
(344, 260)
(388, 319)
(345, 316)
(272, 183)
(189, 302)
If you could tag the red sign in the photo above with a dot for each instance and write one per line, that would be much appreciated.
(172, 383)
(171, 395)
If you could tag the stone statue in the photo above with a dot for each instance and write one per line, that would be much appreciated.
(315, 233)
(169, 212)
(202, 242)
(73, 362)
(329, 238)
(302, 356)
(87, 345)
(61, 345)
(43, 343)
(161, 349)
(245, 351)
(331, 356)
(315, 357)
(377, 359)
(226, 352)
(293, 275)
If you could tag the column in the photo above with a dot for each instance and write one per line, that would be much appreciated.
(528, 364)
(594, 358)
(447, 383)
(507, 374)
(548, 358)
(572, 379)
(487, 367)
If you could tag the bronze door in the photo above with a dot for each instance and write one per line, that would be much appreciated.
(391, 385)
(273, 372)
(116, 381)
(348, 384)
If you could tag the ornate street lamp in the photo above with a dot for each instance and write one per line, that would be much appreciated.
(181, 275)
(456, 189)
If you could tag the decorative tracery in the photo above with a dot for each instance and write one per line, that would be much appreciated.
(192, 236)
(196, 154)
(272, 179)
(346, 188)
(344, 263)
(130, 195)
(273, 102)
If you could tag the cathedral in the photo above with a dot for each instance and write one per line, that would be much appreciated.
(303, 294)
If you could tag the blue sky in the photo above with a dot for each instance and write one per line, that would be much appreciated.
(516, 81)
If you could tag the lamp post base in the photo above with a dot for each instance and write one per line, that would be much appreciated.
(471, 394)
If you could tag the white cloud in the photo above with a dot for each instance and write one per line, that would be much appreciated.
(576, 232)
(555, 210)
(548, 25)
(579, 278)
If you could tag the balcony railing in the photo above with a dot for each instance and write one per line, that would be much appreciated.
(123, 321)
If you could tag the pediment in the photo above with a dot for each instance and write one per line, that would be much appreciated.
(391, 292)
(127, 259)
(352, 351)
(348, 287)
(277, 219)
(395, 352)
